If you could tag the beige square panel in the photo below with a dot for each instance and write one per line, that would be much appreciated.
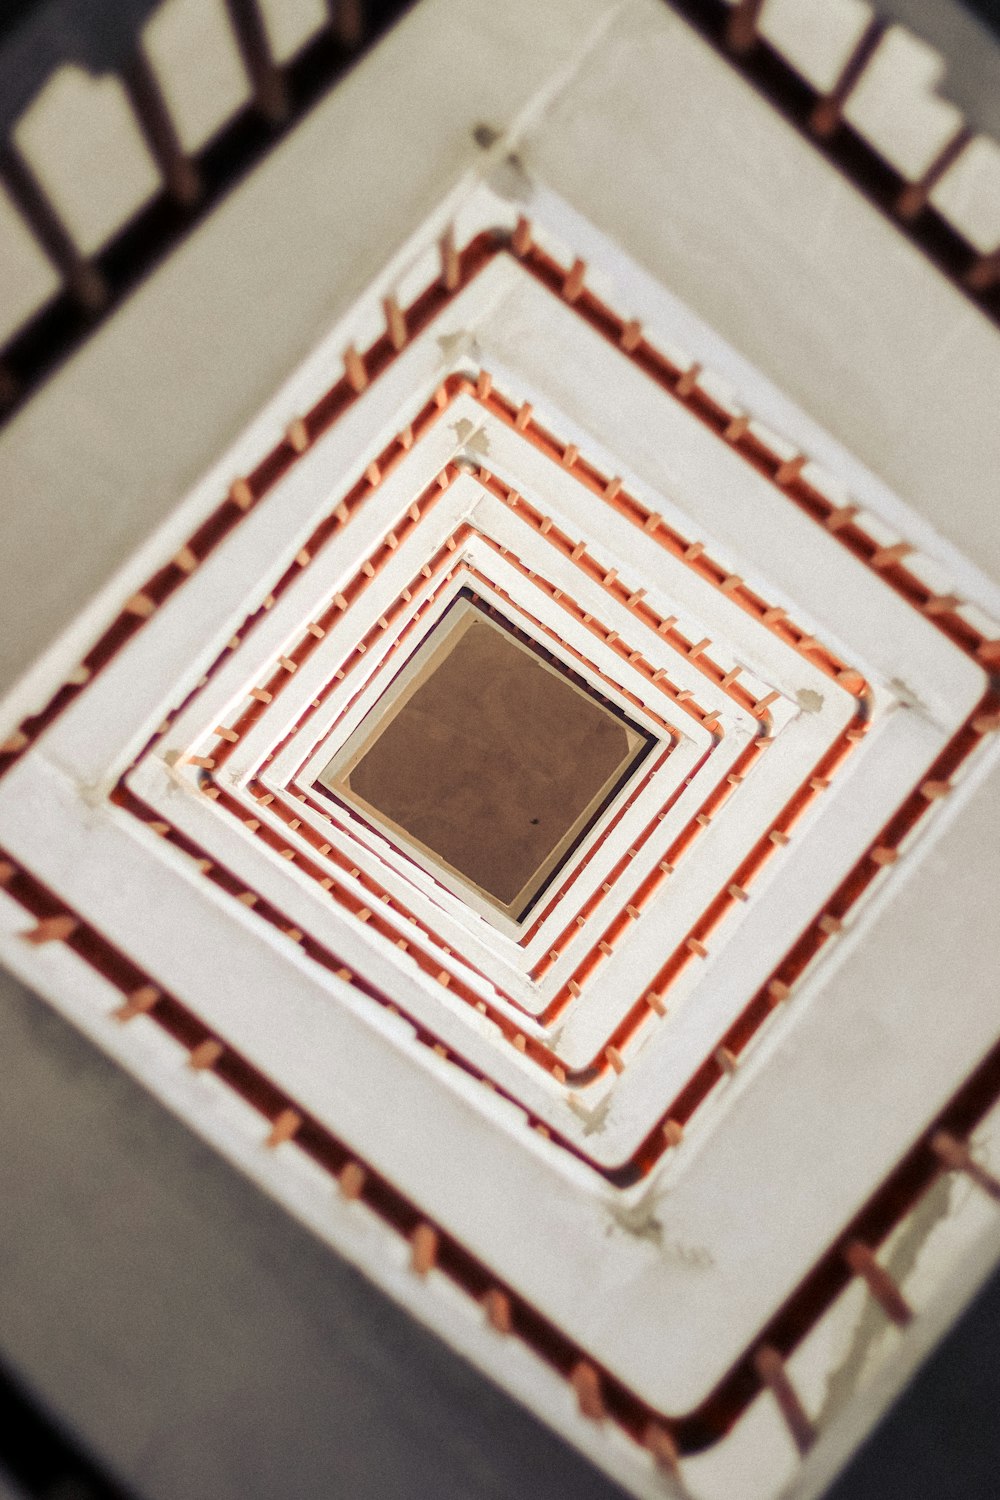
(487, 759)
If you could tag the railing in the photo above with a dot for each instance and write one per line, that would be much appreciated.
(109, 39)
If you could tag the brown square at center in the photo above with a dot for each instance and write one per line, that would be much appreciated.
(485, 760)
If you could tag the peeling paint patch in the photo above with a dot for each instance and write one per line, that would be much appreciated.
(597, 1118)
(474, 439)
(452, 345)
(809, 700)
(905, 695)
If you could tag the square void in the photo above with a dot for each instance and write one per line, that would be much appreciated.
(487, 759)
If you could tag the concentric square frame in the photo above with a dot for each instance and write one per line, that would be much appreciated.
(805, 761)
(87, 881)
